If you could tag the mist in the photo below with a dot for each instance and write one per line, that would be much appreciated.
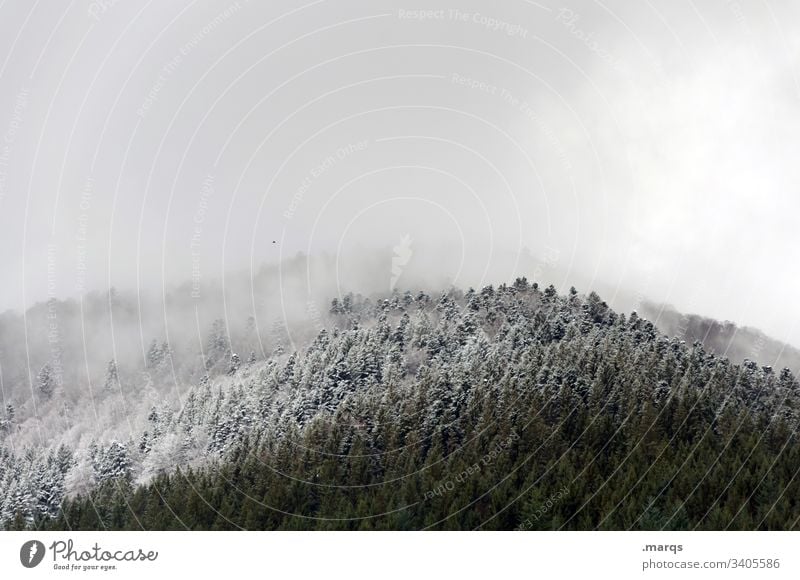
(309, 226)
(172, 151)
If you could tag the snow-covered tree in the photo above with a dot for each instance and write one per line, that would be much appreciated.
(45, 381)
(111, 382)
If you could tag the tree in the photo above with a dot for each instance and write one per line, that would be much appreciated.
(218, 344)
(234, 365)
(7, 422)
(504, 408)
(111, 383)
(112, 463)
(45, 381)
(154, 355)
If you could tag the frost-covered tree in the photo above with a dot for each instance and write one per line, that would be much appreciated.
(218, 346)
(112, 462)
(235, 364)
(45, 381)
(111, 382)
(7, 421)
(535, 388)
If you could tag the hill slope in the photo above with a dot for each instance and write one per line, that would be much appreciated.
(506, 408)
(723, 338)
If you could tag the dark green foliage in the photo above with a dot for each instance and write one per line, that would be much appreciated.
(508, 408)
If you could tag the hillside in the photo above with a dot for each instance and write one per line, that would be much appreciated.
(723, 338)
(503, 408)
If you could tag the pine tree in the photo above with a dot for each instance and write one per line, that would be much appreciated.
(112, 462)
(547, 411)
(45, 381)
(7, 421)
(111, 383)
(235, 364)
(154, 355)
(217, 344)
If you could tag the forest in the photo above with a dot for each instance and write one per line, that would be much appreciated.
(511, 407)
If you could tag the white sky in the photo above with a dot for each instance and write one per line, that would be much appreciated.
(650, 146)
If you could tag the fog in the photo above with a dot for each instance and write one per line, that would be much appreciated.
(646, 150)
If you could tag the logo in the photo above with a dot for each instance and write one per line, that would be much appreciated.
(402, 255)
(32, 553)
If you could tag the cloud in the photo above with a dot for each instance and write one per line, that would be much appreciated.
(651, 148)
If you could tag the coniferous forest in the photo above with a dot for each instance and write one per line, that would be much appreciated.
(504, 408)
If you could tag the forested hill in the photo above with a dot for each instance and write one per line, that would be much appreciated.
(505, 408)
(723, 338)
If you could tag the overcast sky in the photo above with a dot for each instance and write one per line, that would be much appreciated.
(650, 147)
